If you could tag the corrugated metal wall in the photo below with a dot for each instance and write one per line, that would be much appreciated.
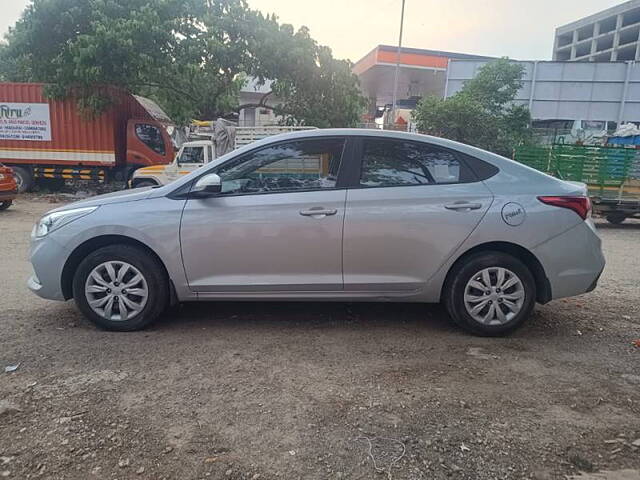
(568, 90)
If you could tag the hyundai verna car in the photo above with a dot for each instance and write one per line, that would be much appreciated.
(340, 215)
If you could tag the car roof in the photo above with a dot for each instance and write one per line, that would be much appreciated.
(375, 133)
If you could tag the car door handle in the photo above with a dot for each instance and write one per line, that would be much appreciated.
(463, 206)
(318, 212)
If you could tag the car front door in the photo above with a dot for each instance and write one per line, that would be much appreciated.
(411, 206)
(276, 226)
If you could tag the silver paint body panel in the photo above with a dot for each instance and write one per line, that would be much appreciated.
(382, 244)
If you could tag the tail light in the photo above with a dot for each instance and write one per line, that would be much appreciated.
(580, 205)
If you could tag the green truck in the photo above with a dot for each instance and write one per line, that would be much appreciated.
(612, 174)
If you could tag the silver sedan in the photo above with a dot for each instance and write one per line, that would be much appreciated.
(340, 215)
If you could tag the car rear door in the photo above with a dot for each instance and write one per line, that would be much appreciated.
(410, 206)
(276, 226)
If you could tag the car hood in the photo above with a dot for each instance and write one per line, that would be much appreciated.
(109, 198)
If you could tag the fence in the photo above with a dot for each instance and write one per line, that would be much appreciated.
(604, 169)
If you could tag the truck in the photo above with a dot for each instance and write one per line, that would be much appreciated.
(55, 140)
(194, 154)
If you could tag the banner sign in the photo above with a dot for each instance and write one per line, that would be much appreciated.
(25, 121)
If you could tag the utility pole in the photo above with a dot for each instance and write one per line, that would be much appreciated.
(395, 78)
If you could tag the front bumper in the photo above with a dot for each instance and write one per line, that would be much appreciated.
(47, 258)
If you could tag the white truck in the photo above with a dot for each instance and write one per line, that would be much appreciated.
(192, 155)
(195, 154)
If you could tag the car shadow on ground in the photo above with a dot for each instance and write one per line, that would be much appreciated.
(306, 314)
(412, 318)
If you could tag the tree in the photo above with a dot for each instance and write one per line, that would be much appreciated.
(192, 56)
(482, 113)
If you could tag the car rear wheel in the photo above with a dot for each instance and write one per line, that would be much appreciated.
(6, 204)
(121, 287)
(490, 293)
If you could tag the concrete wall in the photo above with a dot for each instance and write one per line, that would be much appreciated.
(610, 35)
(252, 93)
(568, 90)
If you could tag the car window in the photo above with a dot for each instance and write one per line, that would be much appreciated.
(209, 153)
(192, 155)
(291, 166)
(391, 163)
(150, 135)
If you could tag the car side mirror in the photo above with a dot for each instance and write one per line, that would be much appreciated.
(207, 186)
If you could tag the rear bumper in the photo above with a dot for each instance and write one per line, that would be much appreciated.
(594, 284)
(6, 195)
(573, 261)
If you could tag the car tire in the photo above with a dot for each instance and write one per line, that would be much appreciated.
(24, 178)
(145, 183)
(515, 302)
(6, 204)
(616, 218)
(151, 292)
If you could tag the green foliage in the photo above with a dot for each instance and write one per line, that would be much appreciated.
(481, 113)
(496, 84)
(192, 56)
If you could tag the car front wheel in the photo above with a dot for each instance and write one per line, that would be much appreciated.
(121, 287)
(490, 293)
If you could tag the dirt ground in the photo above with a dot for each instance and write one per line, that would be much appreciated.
(319, 391)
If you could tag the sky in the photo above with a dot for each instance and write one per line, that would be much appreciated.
(519, 29)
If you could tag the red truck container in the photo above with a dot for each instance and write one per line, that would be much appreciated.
(46, 138)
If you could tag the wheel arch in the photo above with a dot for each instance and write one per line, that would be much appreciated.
(543, 286)
(138, 180)
(85, 248)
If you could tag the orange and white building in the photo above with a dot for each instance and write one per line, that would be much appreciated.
(421, 73)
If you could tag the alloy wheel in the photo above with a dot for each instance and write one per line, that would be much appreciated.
(116, 290)
(494, 296)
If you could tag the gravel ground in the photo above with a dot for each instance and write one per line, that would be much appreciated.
(319, 391)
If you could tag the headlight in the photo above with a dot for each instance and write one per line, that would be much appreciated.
(55, 220)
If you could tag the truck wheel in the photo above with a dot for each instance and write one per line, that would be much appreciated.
(6, 204)
(121, 287)
(490, 293)
(24, 178)
(616, 218)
